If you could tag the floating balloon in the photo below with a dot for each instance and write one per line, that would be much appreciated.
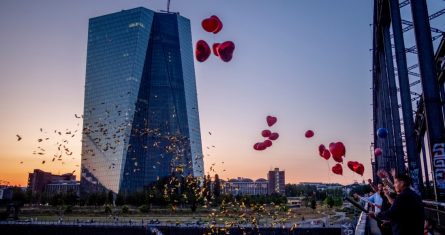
(215, 48)
(266, 133)
(326, 154)
(338, 150)
(225, 51)
(309, 134)
(378, 152)
(359, 169)
(220, 24)
(337, 158)
(212, 24)
(382, 133)
(259, 146)
(268, 143)
(271, 120)
(321, 148)
(202, 51)
(274, 136)
(351, 165)
(337, 169)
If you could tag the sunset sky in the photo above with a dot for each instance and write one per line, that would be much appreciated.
(305, 62)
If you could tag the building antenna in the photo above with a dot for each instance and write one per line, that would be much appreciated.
(168, 6)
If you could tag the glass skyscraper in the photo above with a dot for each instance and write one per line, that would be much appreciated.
(141, 119)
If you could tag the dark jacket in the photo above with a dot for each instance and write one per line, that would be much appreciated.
(406, 214)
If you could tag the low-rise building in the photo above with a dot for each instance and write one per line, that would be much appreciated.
(245, 186)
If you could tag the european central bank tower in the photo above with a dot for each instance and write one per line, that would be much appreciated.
(140, 120)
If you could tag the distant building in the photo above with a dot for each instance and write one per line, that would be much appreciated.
(5, 192)
(63, 187)
(245, 186)
(39, 180)
(322, 186)
(295, 201)
(276, 181)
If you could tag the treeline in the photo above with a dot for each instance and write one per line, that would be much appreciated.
(330, 197)
(169, 192)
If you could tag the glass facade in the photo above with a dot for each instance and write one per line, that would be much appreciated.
(141, 117)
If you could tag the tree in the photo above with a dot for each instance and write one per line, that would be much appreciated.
(329, 201)
(217, 187)
(313, 201)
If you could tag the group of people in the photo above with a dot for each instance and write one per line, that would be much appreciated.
(397, 208)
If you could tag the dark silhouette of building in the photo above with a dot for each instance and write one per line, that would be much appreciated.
(39, 180)
(276, 181)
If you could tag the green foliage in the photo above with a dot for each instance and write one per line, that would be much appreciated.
(125, 210)
(144, 209)
(313, 204)
(329, 201)
(68, 209)
(107, 209)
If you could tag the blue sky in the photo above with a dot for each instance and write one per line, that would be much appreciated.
(306, 62)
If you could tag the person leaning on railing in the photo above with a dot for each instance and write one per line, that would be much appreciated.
(406, 213)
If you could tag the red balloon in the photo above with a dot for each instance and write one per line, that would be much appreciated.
(326, 154)
(274, 136)
(271, 120)
(225, 51)
(351, 165)
(337, 158)
(321, 148)
(338, 150)
(202, 51)
(268, 143)
(378, 152)
(215, 48)
(309, 134)
(359, 169)
(266, 133)
(210, 24)
(337, 169)
(255, 146)
(219, 26)
(259, 146)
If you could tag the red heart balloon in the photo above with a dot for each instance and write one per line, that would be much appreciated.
(266, 133)
(337, 169)
(321, 148)
(210, 24)
(326, 154)
(359, 169)
(215, 48)
(202, 51)
(255, 146)
(219, 24)
(351, 165)
(338, 150)
(268, 143)
(259, 146)
(225, 51)
(309, 134)
(271, 120)
(337, 159)
(274, 136)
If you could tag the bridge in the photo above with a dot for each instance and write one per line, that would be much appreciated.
(409, 99)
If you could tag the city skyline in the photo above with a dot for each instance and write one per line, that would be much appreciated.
(308, 65)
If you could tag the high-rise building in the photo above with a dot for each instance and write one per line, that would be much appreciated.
(276, 181)
(141, 118)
